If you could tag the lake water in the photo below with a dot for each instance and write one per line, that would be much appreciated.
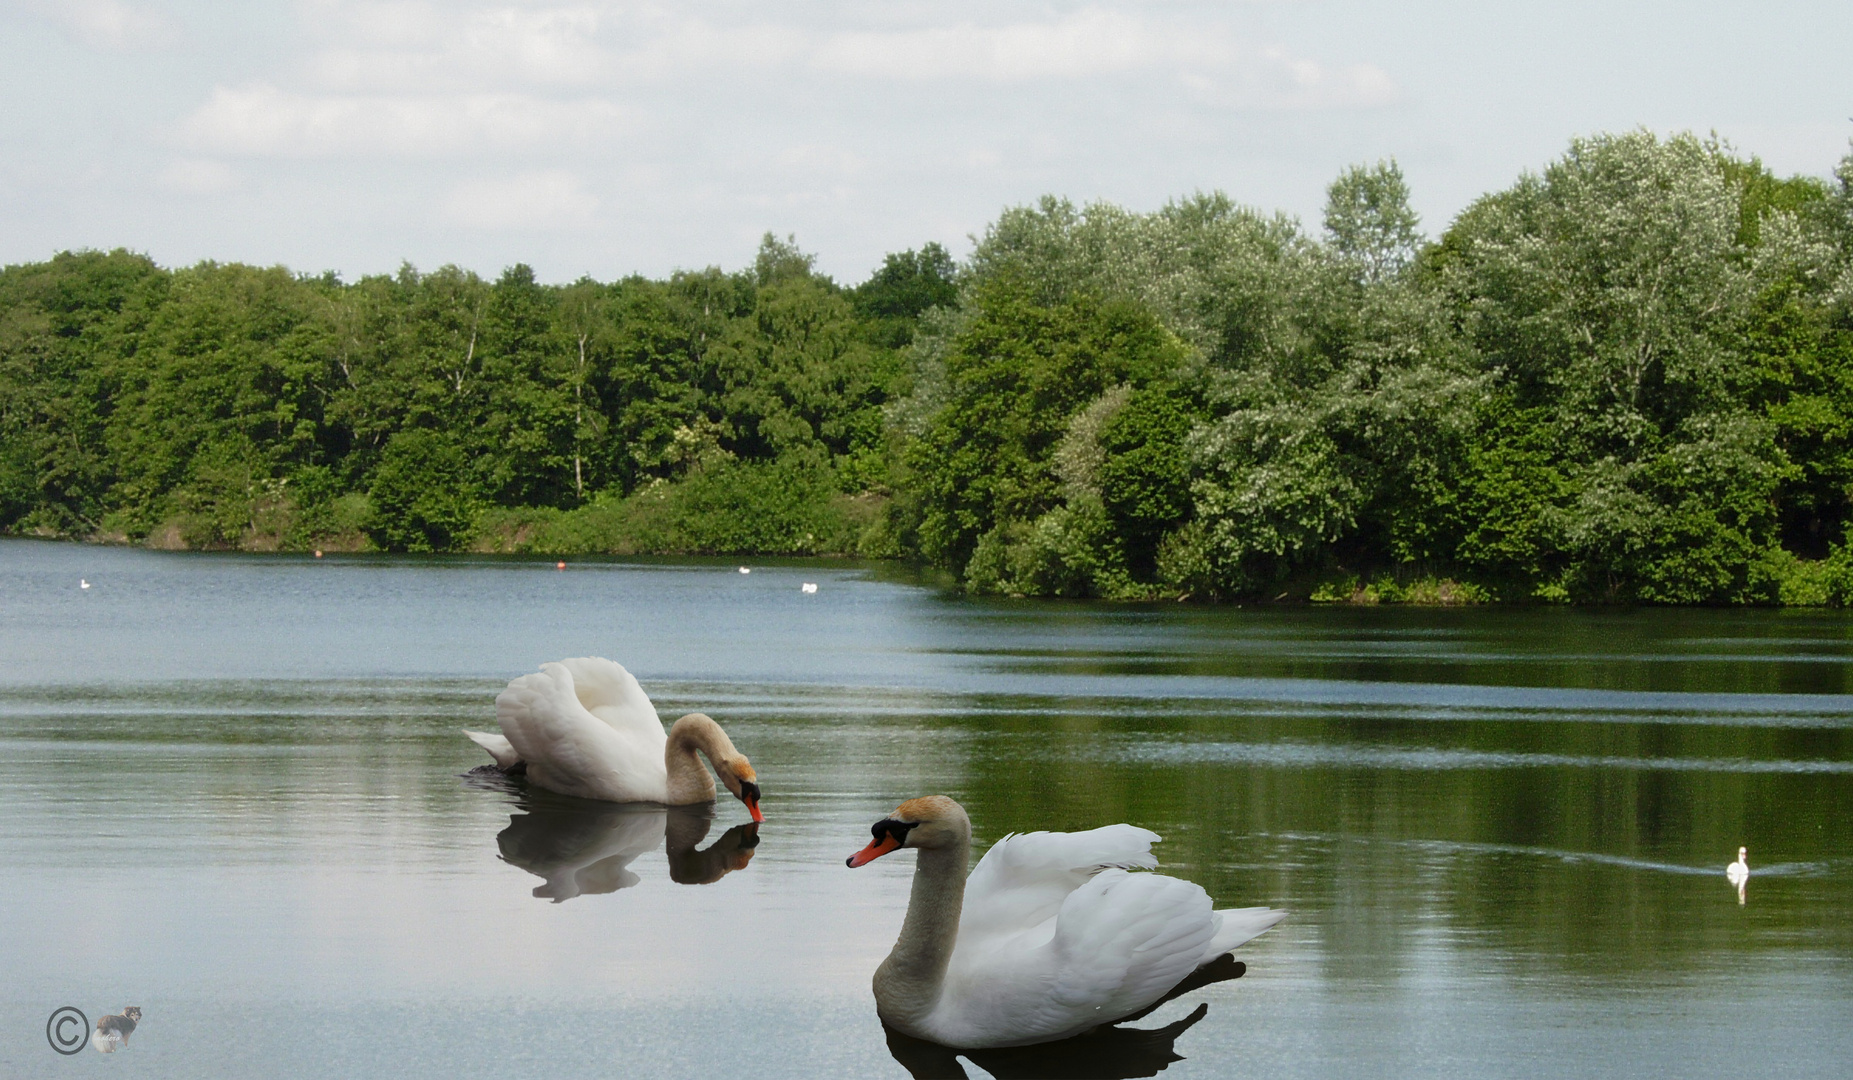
(231, 794)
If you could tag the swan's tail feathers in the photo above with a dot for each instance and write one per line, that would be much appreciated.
(1242, 925)
(498, 746)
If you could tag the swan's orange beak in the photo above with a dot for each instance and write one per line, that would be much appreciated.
(878, 847)
(749, 794)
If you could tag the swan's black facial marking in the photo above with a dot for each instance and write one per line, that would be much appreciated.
(749, 792)
(891, 827)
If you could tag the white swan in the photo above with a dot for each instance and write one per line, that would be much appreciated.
(1049, 937)
(584, 727)
(1739, 872)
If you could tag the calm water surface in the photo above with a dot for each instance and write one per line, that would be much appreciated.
(231, 792)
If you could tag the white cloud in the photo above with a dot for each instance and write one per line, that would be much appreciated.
(374, 23)
(425, 48)
(666, 50)
(195, 176)
(411, 47)
(1091, 42)
(262, 120)
(1279, 80)
(1096, 43)
(110, 25)
(551, 199)
(420, 48)
(420, 79)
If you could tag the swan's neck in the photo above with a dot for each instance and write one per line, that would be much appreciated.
(689, 781)
(907, 984)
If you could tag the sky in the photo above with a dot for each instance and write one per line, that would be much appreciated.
(609, 138)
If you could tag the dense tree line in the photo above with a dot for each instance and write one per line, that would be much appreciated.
(1626, 378)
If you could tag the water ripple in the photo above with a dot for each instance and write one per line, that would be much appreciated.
(1311, 755)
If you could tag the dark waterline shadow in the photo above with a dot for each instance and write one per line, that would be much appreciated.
(1109, 1052)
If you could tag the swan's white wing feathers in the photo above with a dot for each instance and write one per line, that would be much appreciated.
(1114, 945)
(498, 746)
(612, 694)
(570, 750)
(1026, 877)
(1123, 939)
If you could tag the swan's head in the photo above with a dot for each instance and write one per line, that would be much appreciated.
(1741, 853)
(737, 773)
(932, 821)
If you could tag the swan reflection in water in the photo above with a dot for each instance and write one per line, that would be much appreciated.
(1109, 1052)
(582, 847)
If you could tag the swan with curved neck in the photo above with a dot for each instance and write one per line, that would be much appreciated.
(585, 727)
(1050, 935)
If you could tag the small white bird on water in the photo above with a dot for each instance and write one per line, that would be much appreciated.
(746, 569)
(809, 586)
(1738, 873)
(83, 583)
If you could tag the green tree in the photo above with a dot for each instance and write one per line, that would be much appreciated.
(905, 287)
(60, 321)
(1018, 373)
(1608, 296)
(1369, 222)
(423, 492)
(227, 377)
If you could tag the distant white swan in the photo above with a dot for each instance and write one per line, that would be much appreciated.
(1739, 872)
(83, 583)
(584, 727)
(1049, 937)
